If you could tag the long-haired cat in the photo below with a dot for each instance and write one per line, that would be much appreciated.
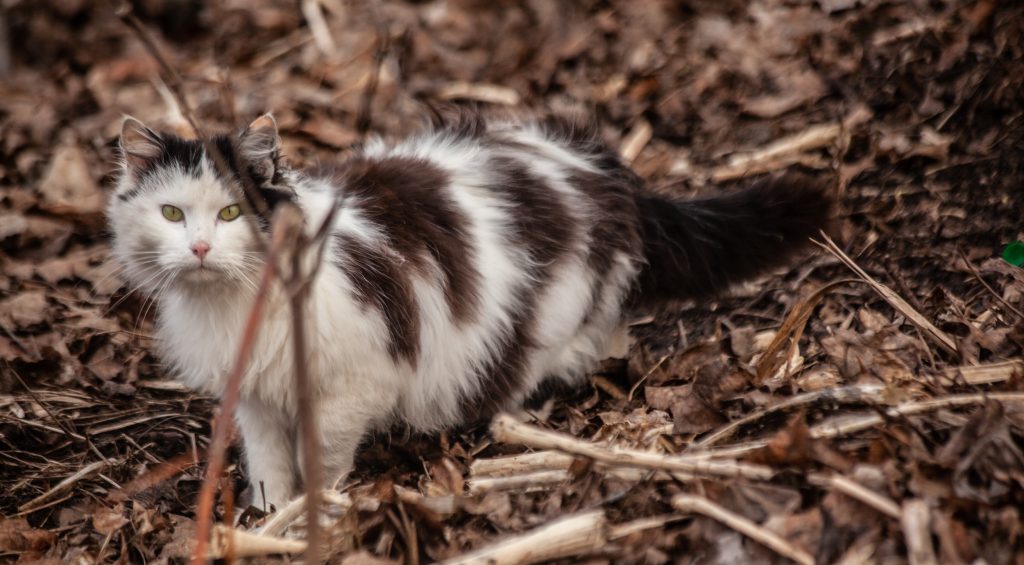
(464, 266)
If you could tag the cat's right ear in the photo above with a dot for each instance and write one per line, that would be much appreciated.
(139, 144)
(260, 144)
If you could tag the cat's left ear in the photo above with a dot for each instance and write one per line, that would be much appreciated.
(260, 145)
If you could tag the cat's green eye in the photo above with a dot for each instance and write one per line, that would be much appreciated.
(229, 213)
(172, 213)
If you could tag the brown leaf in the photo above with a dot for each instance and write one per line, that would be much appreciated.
(663, 397)
(25, 309)
(789, 446)
(691, 415)
(68, 187)
(742, 342)
(109, 520)
(797, 85)
(987, 462)
(17, 536)
(182, 538)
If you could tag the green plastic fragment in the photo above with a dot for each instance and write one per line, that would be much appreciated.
(1014, 254)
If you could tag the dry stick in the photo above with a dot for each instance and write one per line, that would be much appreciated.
(490, 93)
(636, 140)
(832, 429)
(855, 393)
(318, 27)
(777, 154)
(529, 482)
(856, 491)
(507, 429)
(991, 290)
(239, 543)
(558, 474)
(516, 464)
(284, 517)
(544, 480)
(218, 443)
(566, 537)
(769, 539)
(291, 219)
(64, 485)
(983, 374)
(916, 521)
(365, 116)
(620, 531)
(896, 301)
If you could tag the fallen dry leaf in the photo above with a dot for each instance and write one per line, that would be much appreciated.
(68, 188)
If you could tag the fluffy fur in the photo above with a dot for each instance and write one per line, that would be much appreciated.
(466, 265)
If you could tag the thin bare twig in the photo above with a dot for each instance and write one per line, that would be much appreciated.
(365, 115)
(848, 425)
(507, 429)
(854, 393)
(64, 485)
(290, 220)
(856, 491)
(767, 538)
(992, 291)
(896, 301)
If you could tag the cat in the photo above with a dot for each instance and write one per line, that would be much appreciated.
(464, 266)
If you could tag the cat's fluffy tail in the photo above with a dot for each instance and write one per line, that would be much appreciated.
(694, 248)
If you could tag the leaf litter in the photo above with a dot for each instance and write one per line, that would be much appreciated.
(859, 433)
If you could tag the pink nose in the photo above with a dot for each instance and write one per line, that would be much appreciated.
(200, 249)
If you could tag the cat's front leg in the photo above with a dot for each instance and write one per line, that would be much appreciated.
(268, 442)
(340, 436)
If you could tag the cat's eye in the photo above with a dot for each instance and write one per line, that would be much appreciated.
(229, 213)
(172, 213)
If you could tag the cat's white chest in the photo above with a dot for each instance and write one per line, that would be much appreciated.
(199, 336)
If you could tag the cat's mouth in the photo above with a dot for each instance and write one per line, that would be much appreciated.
(201, 273)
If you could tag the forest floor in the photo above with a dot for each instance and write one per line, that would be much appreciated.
(847, 421)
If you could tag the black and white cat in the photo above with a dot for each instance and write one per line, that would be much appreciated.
(465, 266)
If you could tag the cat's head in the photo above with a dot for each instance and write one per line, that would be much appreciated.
(177, 217)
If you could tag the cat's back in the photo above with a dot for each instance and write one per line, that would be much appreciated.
(494, 252)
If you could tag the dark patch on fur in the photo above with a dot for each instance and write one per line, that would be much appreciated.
(550, 387)
(614, 228)
(543, 228)
(694, 248)
(410, 200)
(381, 281)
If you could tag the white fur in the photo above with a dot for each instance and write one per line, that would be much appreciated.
(359, 385)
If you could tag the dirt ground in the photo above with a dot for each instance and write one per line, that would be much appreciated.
(811, 380)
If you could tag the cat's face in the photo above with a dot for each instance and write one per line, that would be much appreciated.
(177, 221)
